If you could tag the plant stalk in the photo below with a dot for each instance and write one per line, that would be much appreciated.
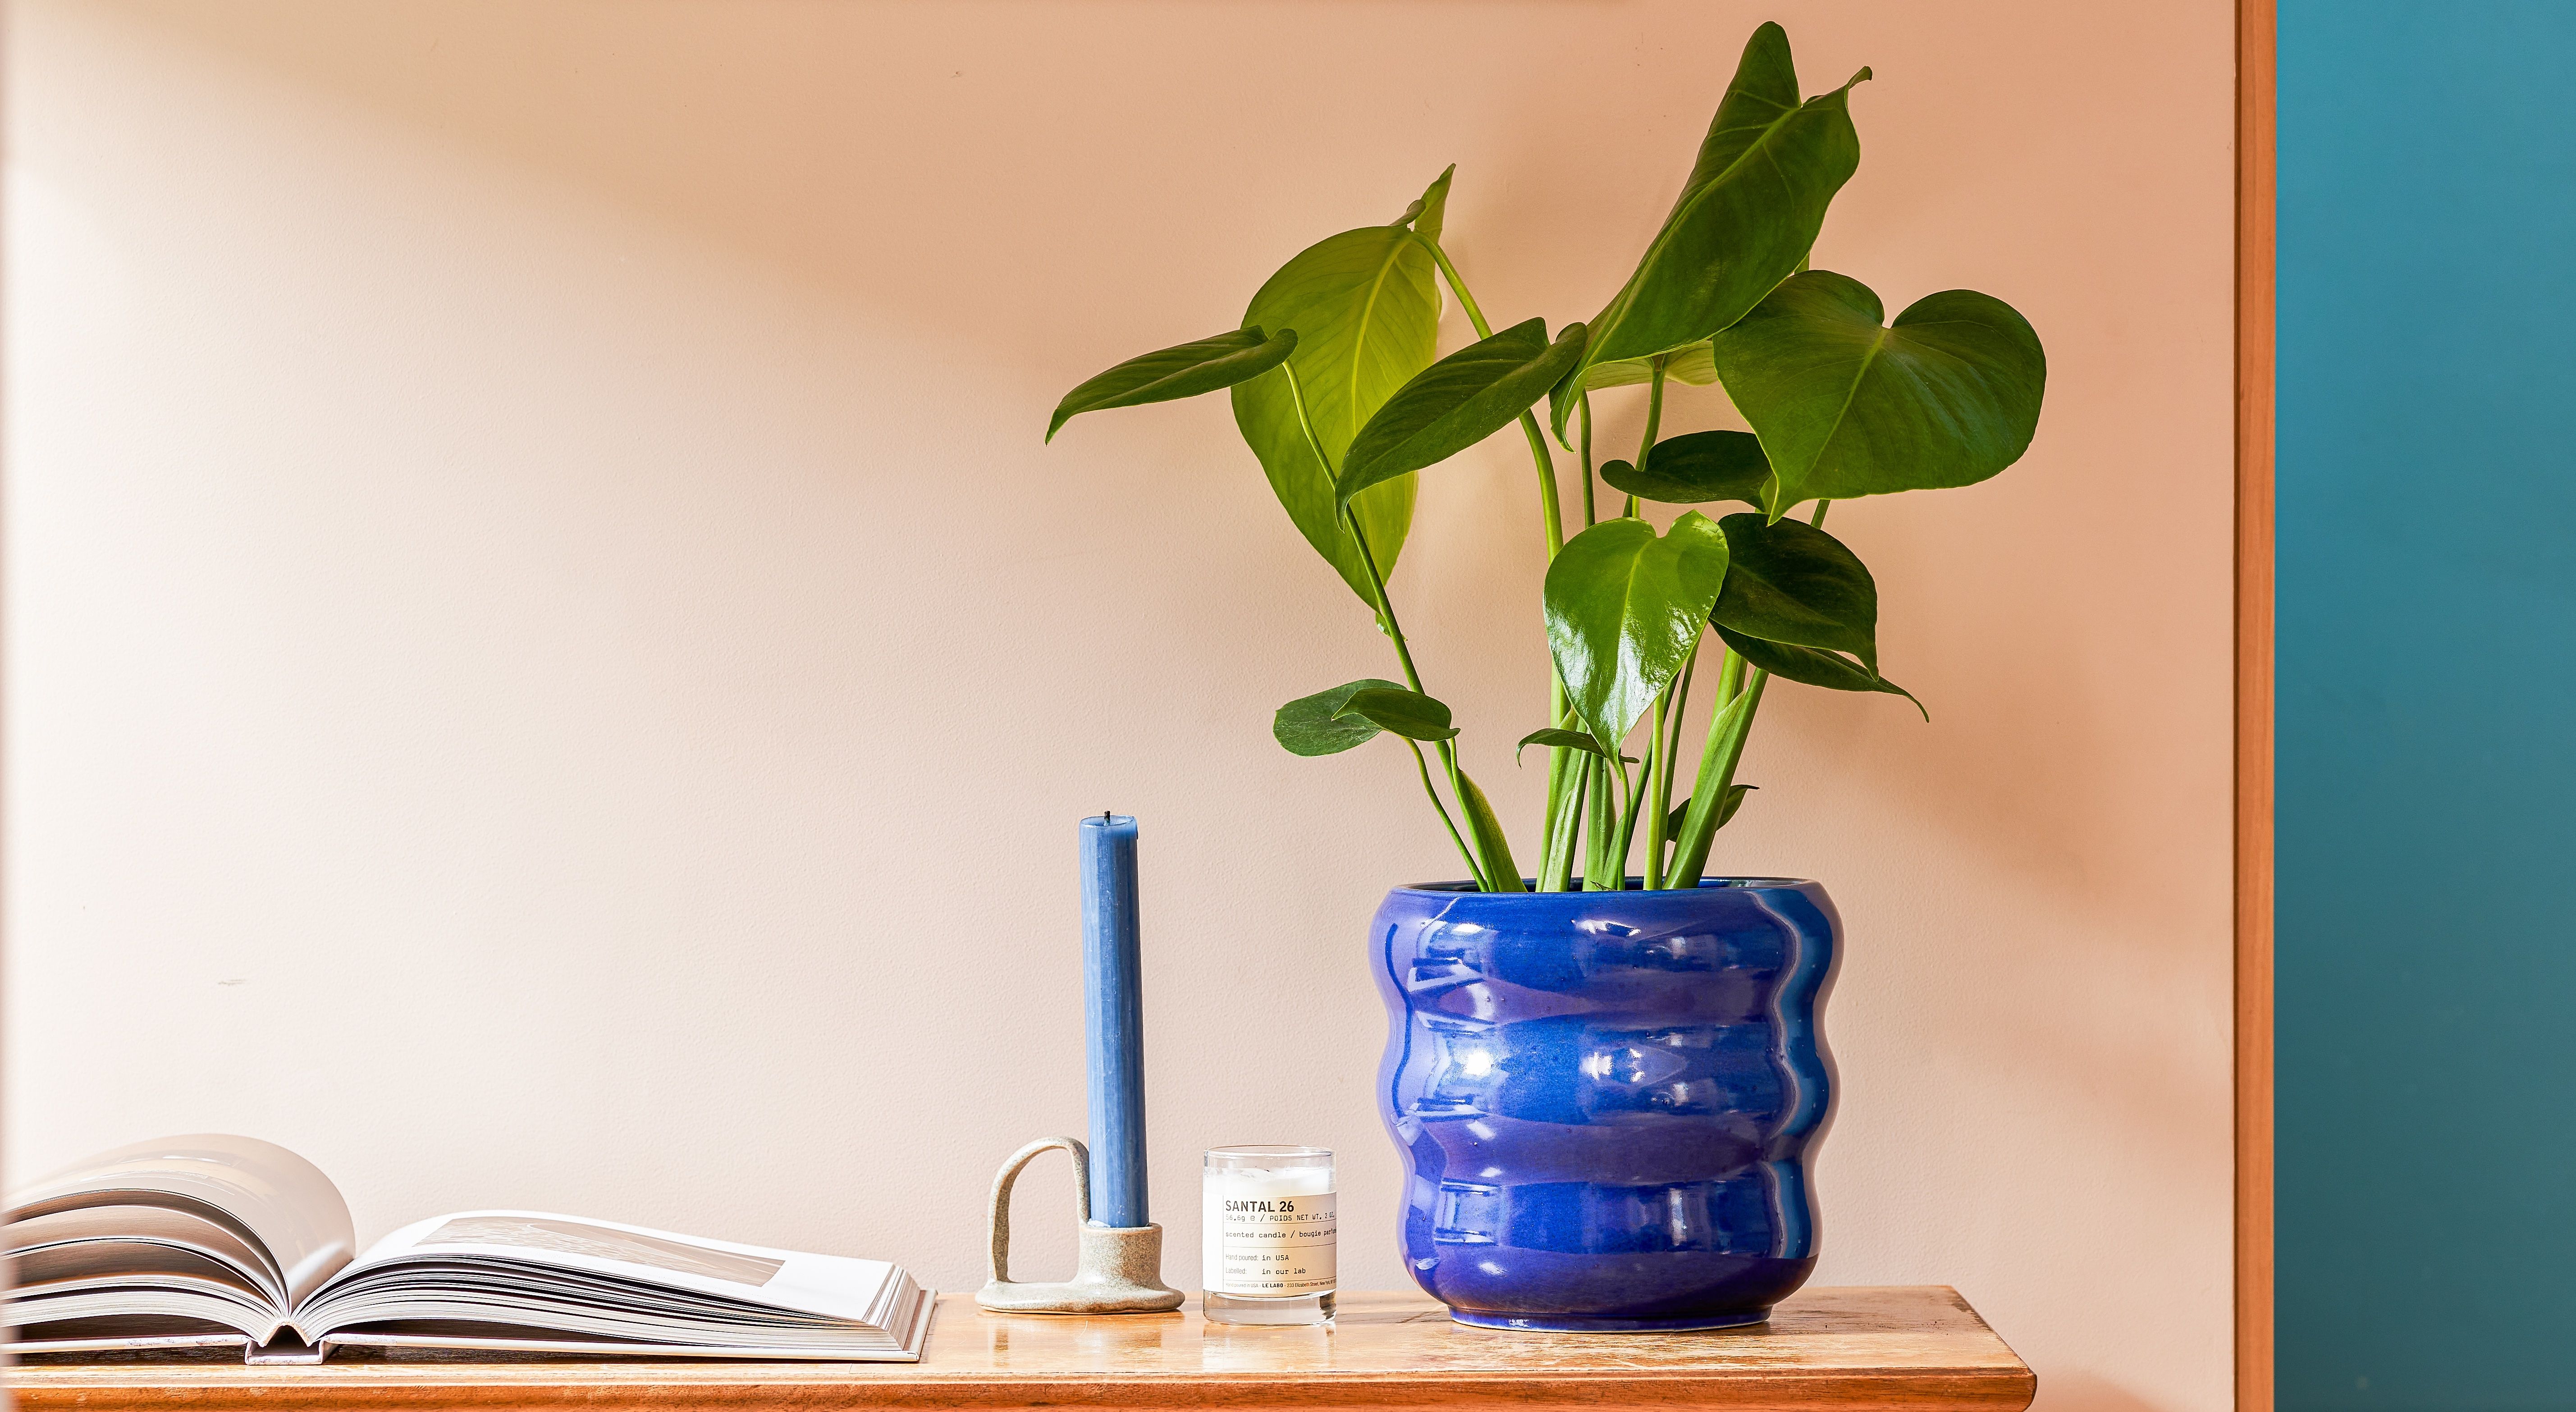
(1657, 785)
(1477, 860)
(1585, 407)
(1555, 865)
(1654, 423)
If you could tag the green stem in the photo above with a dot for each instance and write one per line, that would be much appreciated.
(1560, 784)
(1394, 631)
(1739, 696)
(1654, 421)
(1728, 729)
(1600, 826)
(1668, 754)
(1549, 510)
(1423, 768)
(1585, 406)
(1632, 792)
(1656, 786)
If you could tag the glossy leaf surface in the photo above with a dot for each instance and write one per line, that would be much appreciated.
(1366, 307)
(1556, 739)
(1746, 217)
(1457, 402)
(1624, 607)
(1399, 709)
(1947, 395)
(1486, 829)
(1695, 469)
(1793, 583)
(1812, 666)
(1314, 725)
(1184, 370)
(1734, 800)
(1695, 364)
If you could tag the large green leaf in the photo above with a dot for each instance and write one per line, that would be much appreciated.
(1793, 583)
(1696, 469)
(1402, 710)
(1947, 395)
(1814, 667)
(1315, 725)
(1457, 402)
(1366, 308)
(1746, 218)
(1624, 607)
(1184, 370)
(1695, 364)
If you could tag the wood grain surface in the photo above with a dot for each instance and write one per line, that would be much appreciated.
(1905, 1347)
(2256, 105)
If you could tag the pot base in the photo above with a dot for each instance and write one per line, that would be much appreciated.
(1590, 1324)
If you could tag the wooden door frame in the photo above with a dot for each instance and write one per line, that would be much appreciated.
(2255, 119)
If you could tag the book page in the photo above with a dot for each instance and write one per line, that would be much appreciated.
(831, 1286)
(291, 1214)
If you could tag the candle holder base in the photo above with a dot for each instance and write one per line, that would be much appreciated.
(1118, 1270)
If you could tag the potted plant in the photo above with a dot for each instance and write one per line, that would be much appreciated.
(1606, 1074)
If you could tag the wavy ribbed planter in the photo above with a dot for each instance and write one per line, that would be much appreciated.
(1606, 1099)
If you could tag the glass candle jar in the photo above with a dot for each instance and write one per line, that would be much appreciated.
(1268, 1235)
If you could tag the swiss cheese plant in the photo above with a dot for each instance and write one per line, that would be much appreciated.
(1342, 394)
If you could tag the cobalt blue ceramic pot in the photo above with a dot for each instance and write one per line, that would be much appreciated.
(1606, 1100)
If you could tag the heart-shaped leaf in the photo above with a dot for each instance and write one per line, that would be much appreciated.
(1183, 370)
(1947, 395)
(1556, 739)
(1624, 607)
(1366, 307)
(1696, 469)
(1457, 402)
(1814, 667)
(1793, 583)
(1314, 725)
(1406, 712)
(1746, 218)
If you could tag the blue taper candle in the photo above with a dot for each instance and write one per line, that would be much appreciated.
(1113, 991)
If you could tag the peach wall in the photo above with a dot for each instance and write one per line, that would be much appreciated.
(547, 665)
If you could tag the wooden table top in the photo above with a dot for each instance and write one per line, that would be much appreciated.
(1896, 1347)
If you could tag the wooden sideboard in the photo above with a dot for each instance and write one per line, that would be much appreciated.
(1896, 1347)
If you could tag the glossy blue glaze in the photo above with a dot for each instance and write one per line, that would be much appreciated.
(1606, 1099)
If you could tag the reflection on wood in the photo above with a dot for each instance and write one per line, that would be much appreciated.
(1825, 1348)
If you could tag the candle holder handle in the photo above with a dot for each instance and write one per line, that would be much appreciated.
(1119, 1269)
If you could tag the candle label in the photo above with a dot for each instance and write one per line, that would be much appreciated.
(1276, 1245)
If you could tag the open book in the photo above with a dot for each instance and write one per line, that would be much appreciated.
(216, 1241)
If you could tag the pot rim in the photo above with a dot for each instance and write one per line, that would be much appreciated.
(1467, 888)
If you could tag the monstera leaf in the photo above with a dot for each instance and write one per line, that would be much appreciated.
(1696, 469)
(1457, 402)
(1185, 370)
(1746, 218)
(1366, 307)
(1317, 725)
(1947, 395)
(1624, 608)
(1793, 583)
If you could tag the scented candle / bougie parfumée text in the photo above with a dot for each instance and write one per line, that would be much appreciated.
(1268, 1231)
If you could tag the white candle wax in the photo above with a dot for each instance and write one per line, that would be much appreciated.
(1268, 1232)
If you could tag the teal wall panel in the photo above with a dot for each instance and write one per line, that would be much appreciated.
(2427, 726)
